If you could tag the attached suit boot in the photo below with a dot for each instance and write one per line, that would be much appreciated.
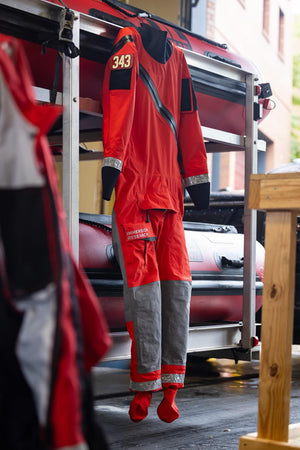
(167, 411)
(139, 406)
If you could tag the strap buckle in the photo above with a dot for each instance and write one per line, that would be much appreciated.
(66, 22)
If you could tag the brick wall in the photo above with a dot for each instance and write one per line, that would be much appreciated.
(241, 26)
(210, 18)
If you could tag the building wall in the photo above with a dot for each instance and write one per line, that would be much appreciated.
(168, 9)
(239, 23)
(296, 88)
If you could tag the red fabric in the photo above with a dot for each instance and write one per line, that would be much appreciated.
(172, 369)
(167, 410)
(149, 261)
(65, 414)
(96, 338)
(66, 401)
(139, 406)
(135, 133)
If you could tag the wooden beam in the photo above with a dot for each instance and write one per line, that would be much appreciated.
(279, 194)
(252, 442)
(275, 191)
(277, 325)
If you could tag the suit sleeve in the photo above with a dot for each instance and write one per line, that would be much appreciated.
(191, 144)
(118, 99)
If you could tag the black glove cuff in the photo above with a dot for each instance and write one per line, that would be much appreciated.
(110, 176)
(199, 194)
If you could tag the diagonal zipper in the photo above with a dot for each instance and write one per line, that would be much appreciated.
(164, 112)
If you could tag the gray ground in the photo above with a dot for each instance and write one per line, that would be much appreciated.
(218, 405)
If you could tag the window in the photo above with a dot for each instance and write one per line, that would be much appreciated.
(281, 33)
(266, 17)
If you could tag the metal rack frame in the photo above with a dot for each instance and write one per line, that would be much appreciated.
(228, 339)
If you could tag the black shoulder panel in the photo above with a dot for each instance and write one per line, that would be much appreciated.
(188, 98)
(120, 79)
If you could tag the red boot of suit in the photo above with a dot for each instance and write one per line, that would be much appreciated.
(139, 406)
(167, 410)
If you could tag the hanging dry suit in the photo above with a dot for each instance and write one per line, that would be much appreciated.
(52, 330)
(152, 140)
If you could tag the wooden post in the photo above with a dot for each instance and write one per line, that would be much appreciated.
(277, 328)
(279, 195)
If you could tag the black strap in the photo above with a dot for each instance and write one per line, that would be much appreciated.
(65, 46)
(63, 3)
(53, 92)
(123, 10)
(100, 225)
(121, 43)
(70, 50)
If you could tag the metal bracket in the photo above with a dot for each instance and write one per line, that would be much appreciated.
(66, 22)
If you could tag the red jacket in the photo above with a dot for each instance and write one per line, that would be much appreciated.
(63, 331)
(151, 131)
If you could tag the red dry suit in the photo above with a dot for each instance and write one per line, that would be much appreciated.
(152, 133)
(52, 330)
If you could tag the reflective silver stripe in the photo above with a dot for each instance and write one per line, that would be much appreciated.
(196, 179)
(173, 378)
(145, 386)
(34, 346)
(18, 168)
(112, 162)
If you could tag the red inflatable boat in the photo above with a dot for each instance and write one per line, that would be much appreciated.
(215, 93)
(216, 261)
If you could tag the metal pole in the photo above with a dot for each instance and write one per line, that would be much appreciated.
(248, 330)
(70, 159)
